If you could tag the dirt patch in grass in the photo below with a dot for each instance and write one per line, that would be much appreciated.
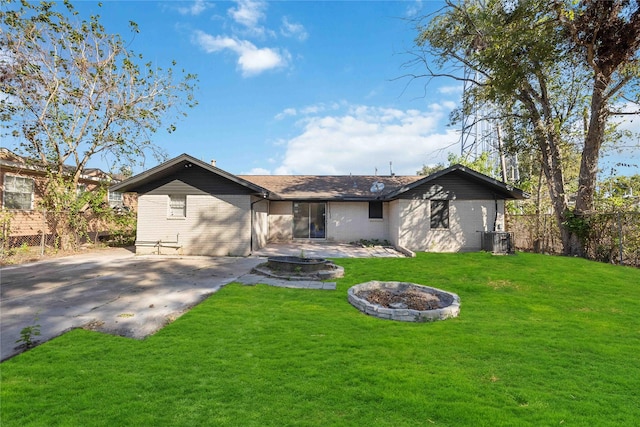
(411, 298)
(503, 284)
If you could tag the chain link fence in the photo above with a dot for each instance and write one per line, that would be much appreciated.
(611, 237)
(32, 233)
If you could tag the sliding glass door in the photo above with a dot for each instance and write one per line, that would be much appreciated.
(309, 220)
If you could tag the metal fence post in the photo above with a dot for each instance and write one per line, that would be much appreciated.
(620, 238)
(44, 230)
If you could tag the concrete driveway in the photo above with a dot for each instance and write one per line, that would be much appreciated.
(116, 292)
(112, 291)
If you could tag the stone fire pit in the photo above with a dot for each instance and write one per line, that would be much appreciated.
(407, 302)
(296, 264)
(299, 268)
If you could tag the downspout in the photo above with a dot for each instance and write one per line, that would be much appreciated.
(495, 218)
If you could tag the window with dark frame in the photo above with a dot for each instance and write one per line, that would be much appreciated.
(375, 210)
(439, 214)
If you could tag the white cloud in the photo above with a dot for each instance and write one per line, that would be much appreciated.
(309, 110)
(196, 8)
(257, 171)
(365, 138)
(292, 29)
(446, 90)
(287, 112)
(414, 8)
(249, 14)
(251, 59)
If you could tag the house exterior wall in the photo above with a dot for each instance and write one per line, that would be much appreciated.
(260, 222)
(405, 223)
(225, 215)
(28, 222)
(346, 222)
(394, 222)
(349, 222)
(280, 221)
(467, 218)
(213, 226)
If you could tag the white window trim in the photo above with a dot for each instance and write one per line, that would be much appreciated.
(175, 199)
(115, 201)
(4, 192)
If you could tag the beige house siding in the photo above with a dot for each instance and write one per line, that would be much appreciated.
(346, 222)
(260, 223)
(349, 222)
(467, 219)
(280, 221)
(227, 214)
(393, 220)
(413, 225)
(213, 226)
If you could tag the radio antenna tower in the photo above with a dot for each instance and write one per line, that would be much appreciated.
(481, 133)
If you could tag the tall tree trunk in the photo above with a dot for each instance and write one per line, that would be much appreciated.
(552, 168)
(590, 155)
(548, 141)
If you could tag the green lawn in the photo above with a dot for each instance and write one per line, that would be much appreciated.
(540, 341)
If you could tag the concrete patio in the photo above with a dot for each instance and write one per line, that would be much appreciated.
(114, 291)
(322, 249)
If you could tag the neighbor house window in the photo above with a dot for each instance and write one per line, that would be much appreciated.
(18, 192)
(81, 189)
(439, 214)
(115, 199)
(375, 210)
(177, 206)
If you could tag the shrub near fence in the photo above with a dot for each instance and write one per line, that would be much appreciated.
(611, 237)
(31, 231)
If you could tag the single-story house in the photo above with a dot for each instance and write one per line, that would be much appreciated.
(23, 182)
(187, 206)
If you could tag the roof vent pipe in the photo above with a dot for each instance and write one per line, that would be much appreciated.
(213, 162)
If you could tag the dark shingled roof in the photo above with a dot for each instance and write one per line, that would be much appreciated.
(329, 187)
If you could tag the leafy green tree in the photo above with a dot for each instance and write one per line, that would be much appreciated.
(70, 91)
(605, 35)
(540, 66)
(481, 164)
(428, 170)
(619, 193)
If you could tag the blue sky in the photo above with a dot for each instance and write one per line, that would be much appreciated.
(303, 87)
(296, 87)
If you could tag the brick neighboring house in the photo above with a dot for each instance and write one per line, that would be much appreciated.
(23, 182)
(189, 207)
